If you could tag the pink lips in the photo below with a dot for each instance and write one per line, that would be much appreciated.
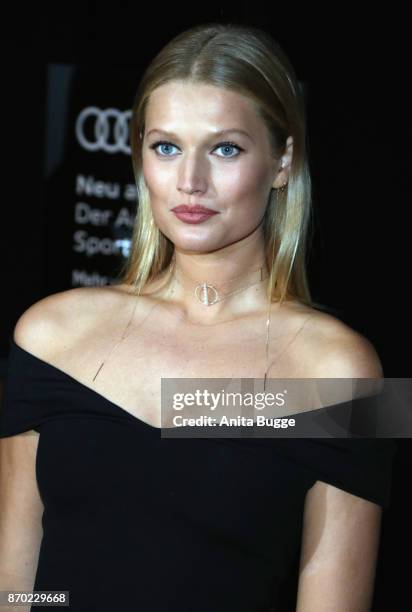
(196, 208)
(193, 214)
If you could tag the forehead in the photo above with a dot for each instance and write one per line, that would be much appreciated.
(179, 102)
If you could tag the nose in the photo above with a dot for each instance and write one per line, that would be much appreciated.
(191, 178)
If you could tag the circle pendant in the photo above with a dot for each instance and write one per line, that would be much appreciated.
(206, 294)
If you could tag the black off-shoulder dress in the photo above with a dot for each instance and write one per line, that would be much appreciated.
(133, 521)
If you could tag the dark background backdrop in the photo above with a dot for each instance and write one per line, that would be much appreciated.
(357, 67)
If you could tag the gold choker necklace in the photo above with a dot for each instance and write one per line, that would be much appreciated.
(208, 294)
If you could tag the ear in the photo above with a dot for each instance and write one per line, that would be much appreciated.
(284, 164)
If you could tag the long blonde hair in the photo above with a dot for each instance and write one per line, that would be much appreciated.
(246, 60)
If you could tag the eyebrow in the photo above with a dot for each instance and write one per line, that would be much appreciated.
(212, 135)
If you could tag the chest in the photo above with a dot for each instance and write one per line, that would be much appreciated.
(130, 372)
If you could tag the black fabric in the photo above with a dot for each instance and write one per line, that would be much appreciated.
(133, 521)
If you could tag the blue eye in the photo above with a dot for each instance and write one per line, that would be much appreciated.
(161, 143)
(229, 145)
(224, 145)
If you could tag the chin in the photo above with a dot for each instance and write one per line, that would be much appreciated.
(192, 249)
(193, 239)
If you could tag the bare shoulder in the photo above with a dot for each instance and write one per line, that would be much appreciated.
(335, 350)
(42, 326)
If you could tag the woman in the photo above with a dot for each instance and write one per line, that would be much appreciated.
(215, 286)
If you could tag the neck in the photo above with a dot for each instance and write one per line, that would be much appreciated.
(237, 270)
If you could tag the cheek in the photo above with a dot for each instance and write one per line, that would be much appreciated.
(248, 187)
(155, 178)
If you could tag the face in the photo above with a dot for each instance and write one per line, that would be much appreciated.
(186, 161)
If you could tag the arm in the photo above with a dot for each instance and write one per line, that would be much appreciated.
(21, 511)
(43, 329)
(21, 507)
(341, 531)
(339, 551)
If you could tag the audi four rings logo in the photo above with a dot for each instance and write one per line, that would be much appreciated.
(107, 130)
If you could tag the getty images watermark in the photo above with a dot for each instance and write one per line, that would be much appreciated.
(287, 407)
(212, 401)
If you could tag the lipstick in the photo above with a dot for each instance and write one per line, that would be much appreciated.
(193, 214)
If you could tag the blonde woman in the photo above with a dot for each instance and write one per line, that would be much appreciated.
(93, 500)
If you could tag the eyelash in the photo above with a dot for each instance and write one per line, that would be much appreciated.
(221, 144)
